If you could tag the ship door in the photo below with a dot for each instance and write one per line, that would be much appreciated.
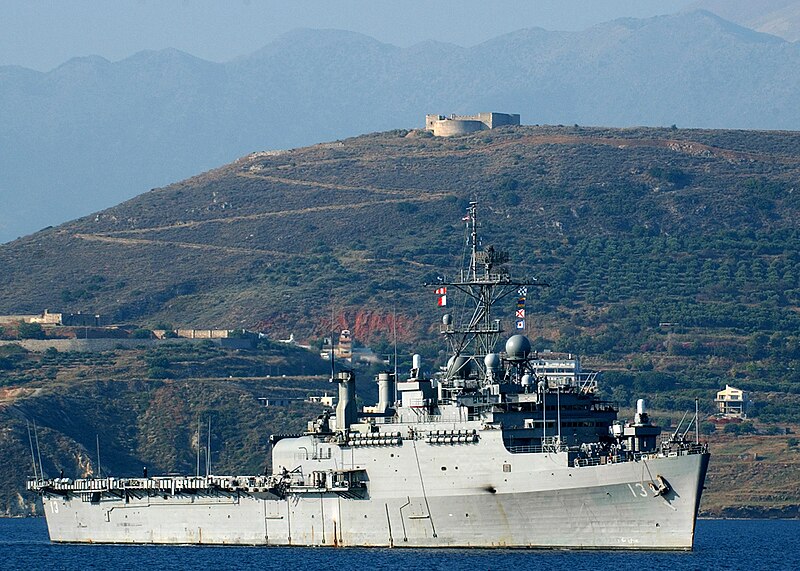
(416, 519)
(276, 524)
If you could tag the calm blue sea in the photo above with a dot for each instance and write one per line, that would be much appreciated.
(720, 545)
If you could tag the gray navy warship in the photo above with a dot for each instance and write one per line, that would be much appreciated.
(502, 448)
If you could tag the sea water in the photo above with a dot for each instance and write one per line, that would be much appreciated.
(719, 545)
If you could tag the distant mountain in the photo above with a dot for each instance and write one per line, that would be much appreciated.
(776, 17)
(92, 132)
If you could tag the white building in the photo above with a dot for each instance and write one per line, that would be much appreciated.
(732, 402)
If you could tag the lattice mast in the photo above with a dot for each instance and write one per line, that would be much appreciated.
(485, 282)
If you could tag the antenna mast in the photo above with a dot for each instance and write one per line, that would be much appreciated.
(486, 282)
(197, 473)
(208, 449)
(33, 456)
(473, 220)
(38, 450)
(333, 336)
(394, 331)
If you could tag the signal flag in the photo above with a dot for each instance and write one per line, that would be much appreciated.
(520, 324)
(442, 301)
(441, 291)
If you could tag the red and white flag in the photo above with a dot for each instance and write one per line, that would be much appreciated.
(520, 313)
(441, 291)
(442, 301)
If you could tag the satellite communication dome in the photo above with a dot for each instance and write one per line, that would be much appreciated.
(492, 362)
(462, 367)
(518, 347)
(447, 319)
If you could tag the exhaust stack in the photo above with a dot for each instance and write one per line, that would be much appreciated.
(386, 382)
(346, 413)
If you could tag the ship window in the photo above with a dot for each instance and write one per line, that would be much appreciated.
(444, 468)
(506, 467)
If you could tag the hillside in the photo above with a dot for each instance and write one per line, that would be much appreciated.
(671, 254)
(92, 132)
(632, 228)
(776, 17)
(142, 408)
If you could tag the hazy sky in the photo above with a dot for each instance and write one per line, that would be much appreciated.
(43, 34)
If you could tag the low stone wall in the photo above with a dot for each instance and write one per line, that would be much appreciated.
(97, 345)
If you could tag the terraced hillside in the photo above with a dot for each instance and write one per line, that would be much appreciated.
(672, 255)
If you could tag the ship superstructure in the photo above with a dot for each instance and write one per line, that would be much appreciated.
(504, 447)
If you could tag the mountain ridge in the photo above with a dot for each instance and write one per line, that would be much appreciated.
(775, 17)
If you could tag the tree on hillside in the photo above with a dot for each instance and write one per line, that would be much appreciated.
(30, 331)
(708, 428)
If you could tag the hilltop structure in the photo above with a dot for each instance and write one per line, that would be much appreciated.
(59, 319)
(732, 402)
(443, 126)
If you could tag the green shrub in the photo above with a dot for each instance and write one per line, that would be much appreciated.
(157, 361)
(732, 428)
(159, 373)
(708, 428)
(30, 331)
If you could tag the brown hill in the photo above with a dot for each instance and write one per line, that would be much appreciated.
(280, 237)
(672, 257)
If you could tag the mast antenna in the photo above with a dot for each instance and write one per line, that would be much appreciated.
(558, 409)
(208, 449)
(33, 456)
(38, 450)
(473, 219)
(197, 473)
(696, 421)
(394, 331)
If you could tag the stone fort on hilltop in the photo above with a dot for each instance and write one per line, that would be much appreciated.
(443, 126)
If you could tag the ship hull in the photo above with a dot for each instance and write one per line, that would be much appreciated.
(593, 507)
